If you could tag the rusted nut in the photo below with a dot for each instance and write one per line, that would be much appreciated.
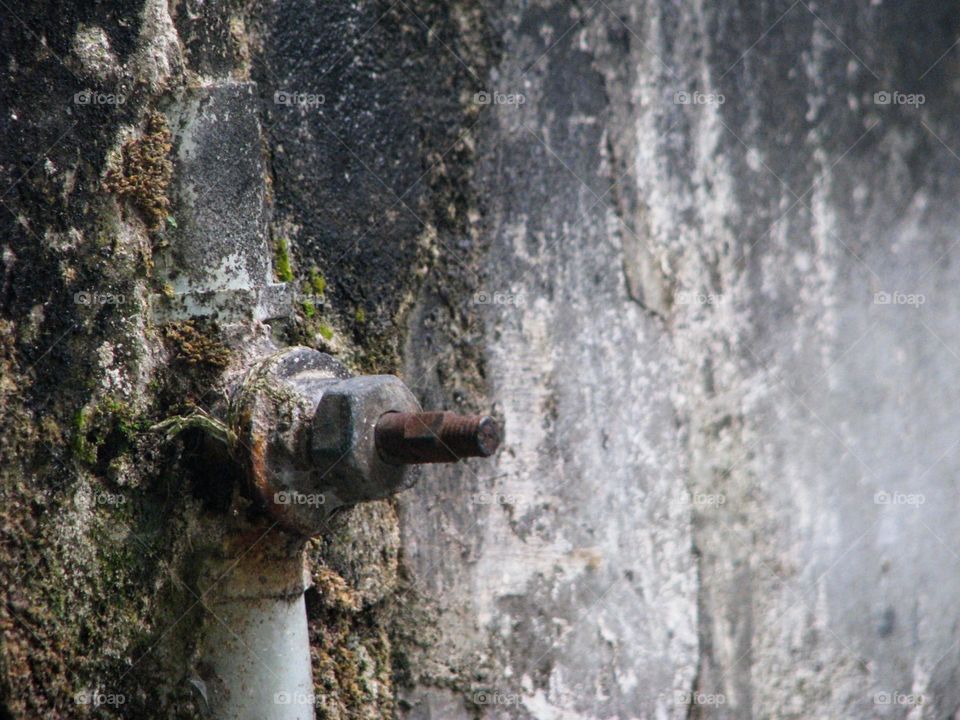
(435, 437)
(343, 436)
(271, 414)
(310, 438)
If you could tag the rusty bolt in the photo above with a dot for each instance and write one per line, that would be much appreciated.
(407, 438)
(312, 439)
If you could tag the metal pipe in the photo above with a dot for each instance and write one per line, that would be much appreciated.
(299, 427)
(308, 439)
(256, 650)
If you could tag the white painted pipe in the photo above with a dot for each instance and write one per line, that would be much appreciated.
(256, 649)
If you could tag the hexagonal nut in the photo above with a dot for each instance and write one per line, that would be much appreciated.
(344, 451)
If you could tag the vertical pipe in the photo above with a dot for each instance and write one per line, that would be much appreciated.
(256, 649)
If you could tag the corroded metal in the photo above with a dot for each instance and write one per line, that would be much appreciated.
(343, 441)
(311, 439)
(271, 413)
(435, 437)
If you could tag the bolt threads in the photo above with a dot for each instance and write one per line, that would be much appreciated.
(460, 430)
(434, 437)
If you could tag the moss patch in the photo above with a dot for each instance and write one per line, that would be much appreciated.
(195, 347)
(104, 431)
(318, 283)
(281, 261)
(144, 171)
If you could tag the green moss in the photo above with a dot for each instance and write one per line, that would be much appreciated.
(360, 315)
(308, 308)
(317, 282)
(111, 421)
(83, 450)
(281, 261)
(129, 422)
(326, 332)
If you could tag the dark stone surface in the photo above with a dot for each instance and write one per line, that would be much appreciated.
(368, 182)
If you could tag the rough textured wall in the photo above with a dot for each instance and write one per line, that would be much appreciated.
(696, 266)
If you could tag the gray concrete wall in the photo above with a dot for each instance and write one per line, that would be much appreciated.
(702, 212)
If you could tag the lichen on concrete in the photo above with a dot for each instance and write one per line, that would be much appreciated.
(350, 606)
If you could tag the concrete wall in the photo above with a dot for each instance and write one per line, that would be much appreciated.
(702, 213)
(696, 265)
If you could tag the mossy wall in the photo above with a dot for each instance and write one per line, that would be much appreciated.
(103, 519)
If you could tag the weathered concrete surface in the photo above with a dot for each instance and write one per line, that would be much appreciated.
(757, 232)
(778, 215)
(670, 301)
(563, 576)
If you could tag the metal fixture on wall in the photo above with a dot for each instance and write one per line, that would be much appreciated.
(310, 439)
